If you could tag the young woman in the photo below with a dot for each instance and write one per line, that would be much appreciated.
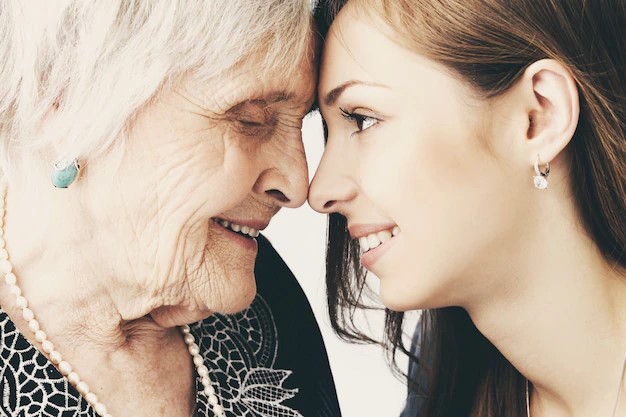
(476, 163)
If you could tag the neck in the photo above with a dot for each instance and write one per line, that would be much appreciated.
(563, 326)
(83, 317)
(129, 359)
(74, 294)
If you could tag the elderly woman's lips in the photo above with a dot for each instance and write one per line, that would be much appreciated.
(246, 240)
(247, 231)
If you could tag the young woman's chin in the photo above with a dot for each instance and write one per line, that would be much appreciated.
(422, 293)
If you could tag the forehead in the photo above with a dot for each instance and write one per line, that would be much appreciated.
(345, 55)
(250, 80)
(357, 48)
(287, 81)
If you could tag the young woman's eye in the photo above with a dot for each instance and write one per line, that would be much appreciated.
(362, 122)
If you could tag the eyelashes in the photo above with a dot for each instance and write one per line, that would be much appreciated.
(252, 118)
(361, 121)
(258, 118)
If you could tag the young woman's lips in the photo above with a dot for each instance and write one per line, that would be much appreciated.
(379, 236)
(369, 258)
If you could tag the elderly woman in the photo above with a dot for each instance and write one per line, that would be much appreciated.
(144, 147)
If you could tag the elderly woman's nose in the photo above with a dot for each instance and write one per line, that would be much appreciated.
(287, 180)
(331, 187)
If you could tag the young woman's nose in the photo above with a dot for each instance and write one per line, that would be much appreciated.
(332, 187)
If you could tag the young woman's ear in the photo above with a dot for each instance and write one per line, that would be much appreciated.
(550, 91)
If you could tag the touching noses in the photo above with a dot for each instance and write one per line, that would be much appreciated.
(332, 187)
(285, 177)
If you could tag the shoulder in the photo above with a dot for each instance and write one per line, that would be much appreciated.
(274, 344)
(272, 323)
(271, 270)
(290, 309)
(29, 383)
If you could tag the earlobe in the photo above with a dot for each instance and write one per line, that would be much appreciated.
(554, 116)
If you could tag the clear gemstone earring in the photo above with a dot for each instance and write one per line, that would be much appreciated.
(541, 178)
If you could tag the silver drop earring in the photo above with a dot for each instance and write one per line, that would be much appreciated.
(541, 178)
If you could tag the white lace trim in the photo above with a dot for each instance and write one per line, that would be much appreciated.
(240, 350)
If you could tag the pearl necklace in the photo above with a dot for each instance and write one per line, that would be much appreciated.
(55, 357)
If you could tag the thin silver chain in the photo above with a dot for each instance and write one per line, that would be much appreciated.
(617, 397)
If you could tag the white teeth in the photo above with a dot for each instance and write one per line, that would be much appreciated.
(246, 230)
(374, 240)
(384, 236)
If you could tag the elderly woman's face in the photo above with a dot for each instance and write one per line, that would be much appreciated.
(199, 156)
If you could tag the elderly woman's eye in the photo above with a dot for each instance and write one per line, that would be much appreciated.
(251, 122)
(252, 118)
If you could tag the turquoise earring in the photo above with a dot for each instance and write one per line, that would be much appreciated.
(64, 173)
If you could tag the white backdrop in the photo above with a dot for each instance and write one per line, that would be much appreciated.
(365, 385)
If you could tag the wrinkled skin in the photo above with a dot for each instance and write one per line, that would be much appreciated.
(140, 232)
(199, 162)
(113, 264)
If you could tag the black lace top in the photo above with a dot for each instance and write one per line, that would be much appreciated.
(268, 360)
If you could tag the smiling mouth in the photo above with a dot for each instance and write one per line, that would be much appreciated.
(245, 231)
(374, 240)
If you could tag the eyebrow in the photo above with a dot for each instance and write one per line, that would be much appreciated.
(267, 98)
(334, 94)
(277, 96)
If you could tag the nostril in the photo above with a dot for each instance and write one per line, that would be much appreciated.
(329, 204)
(278, 195)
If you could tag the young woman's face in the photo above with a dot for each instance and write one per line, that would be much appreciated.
(412, 154)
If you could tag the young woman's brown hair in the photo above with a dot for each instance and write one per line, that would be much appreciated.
(489, 44)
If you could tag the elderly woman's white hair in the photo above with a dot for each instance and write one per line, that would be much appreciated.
(86, 67)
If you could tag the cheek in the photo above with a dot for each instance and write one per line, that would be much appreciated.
(167, 186)
(232, 177)
(415, 168)
(443, 189)
(206, 170)
(200, 174)
(196, 167)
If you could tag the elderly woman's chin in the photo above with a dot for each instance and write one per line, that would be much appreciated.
(223, 282)
(217, 279)
(229, 285)
(233, 300)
